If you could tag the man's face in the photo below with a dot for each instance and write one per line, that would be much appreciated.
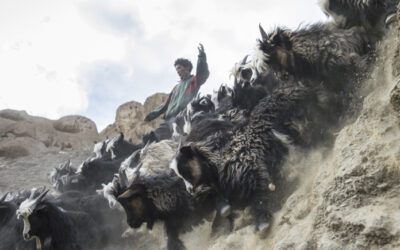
(182, 71)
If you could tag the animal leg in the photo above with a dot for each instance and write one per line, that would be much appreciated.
(261, 212)
(174, 243)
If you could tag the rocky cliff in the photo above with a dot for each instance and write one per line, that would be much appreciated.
(130, 119)
(22, 134)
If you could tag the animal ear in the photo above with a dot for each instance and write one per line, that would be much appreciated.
(280, 38)
(186, 150)
(275, 38)
(153, 137)
(121, 137)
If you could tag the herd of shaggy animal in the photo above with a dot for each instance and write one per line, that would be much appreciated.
(223, 153)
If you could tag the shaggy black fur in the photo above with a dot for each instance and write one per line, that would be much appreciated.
(121, 148)
(93, 173)
(315, 54)
(366, 13)
(47, 221)
(162, 197)
(243, 169)
(11, 228)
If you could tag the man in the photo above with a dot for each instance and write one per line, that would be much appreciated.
(186, 89)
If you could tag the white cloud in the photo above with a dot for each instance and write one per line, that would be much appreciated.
(49, 50)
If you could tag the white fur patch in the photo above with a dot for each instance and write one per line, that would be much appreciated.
(79, 170)
(258, 63)
(174, 166)
(187, 127)
(26, 208)
(189, 109)
(214, 99)
(97, 149)
(127, 162)
(175, 133)
(108, 193)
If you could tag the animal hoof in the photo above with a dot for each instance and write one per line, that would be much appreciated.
(263, 227)
(225, 210)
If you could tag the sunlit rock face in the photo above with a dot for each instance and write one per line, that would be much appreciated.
(130, 119)
(22, 134)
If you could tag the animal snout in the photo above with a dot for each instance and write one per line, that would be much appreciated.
(134, 224)
(246, 74)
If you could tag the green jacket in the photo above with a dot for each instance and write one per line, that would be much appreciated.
(183, 92)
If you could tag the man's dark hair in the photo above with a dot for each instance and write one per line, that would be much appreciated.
(184, 62)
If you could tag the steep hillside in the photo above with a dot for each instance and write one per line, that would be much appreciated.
(343, 197)
(346, 197)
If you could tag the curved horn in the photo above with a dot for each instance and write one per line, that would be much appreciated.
(146, 146)
(66, 164)
(3, 198)
(42, 194)
(180, 144)
(244, 60)
(137, 171)
(136, 157)
(264, 35)
(33, 192)
(123, 179)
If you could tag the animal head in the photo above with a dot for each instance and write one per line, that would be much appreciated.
(100, 152)
(275, 51)
(71, 182)
(201, 104)
(150, 138)
(190, 165)
(218, 96)
(136, 205)
(61, 170)
(31, 211)
(114, 144)
(271, 55)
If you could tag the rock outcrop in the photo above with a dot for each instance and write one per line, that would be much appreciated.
(130, 119)
(22, 134)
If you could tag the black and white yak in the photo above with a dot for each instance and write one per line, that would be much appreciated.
(243, 168)
(121, 148)
(10, 227)
(181, 124)
(373, 14)
(54, 228)
(335, 54)
(152, 192)
(89, 176)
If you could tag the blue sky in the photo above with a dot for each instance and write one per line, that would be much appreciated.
(88, 57)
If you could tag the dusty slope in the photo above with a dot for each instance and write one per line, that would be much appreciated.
(347, 197)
